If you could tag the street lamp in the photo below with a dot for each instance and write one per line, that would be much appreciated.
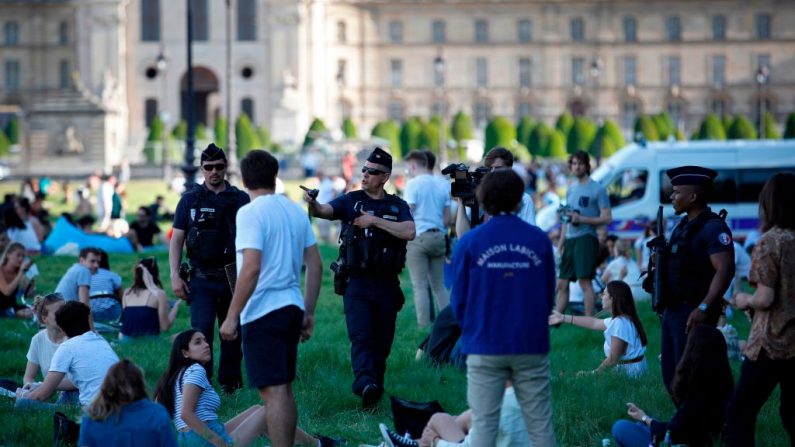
(595, 71)
(189, 169)
(438, 67)
(762, 75)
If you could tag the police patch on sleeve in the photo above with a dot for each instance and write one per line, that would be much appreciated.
(724, 239)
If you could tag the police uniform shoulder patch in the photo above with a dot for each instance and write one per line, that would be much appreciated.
(724, 239)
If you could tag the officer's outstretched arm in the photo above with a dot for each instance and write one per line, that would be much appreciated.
(317, 209)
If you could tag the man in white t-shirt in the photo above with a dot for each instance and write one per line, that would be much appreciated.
(75, 284)
(274, 239)
(429, 202)
(85, 356)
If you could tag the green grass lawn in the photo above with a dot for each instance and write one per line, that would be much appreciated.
(584, 407)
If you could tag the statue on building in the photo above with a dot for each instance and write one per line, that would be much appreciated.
(68, 143)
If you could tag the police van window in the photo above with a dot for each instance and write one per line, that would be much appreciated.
(627, 186)
(752, 181)
(724, 187)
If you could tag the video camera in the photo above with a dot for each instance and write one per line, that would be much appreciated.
(465, 181)
(565, 212)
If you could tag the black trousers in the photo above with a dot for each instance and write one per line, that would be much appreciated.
(209, 301)
(673, 337)
(371, 308)
(758, 379)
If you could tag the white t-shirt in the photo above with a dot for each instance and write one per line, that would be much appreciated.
(280, 230)
(617, 265)
(429, 200)
(528, 210)
(208, 403)
(86, 359)
(41, 351)
(623, 329)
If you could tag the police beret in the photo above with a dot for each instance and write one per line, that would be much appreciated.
(691, 175)
(213, 153)
(381, 157)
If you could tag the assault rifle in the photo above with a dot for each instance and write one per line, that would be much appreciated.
(658, 246)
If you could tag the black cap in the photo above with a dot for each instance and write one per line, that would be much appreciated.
(691, 175)
(213, 153)
(381, 157)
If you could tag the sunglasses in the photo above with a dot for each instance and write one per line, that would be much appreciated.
(372, 171)
(214, 167)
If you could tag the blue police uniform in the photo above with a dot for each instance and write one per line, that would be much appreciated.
(688, 273)
(373, 297)
(208, 220)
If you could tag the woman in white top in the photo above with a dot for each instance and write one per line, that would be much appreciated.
(23, 228)
(625, 339)
(44, 344)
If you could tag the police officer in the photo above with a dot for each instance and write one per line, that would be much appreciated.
(375, 228)
(205, 222)
(698, 264)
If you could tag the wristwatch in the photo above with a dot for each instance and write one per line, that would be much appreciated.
(645, 419)
(702, 307)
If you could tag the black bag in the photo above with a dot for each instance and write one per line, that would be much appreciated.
(66, 432)
(412, 417)
(10, 385)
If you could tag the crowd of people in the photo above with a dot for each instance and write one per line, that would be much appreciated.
(246, 253)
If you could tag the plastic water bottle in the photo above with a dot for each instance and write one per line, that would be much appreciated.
(667, 440)
(606, 442)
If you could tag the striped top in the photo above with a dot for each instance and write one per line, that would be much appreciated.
(104, 283)
(208, 404)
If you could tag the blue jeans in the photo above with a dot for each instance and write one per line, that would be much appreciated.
(209, 300)
(105, 310)
(631, 434)
(192, 439)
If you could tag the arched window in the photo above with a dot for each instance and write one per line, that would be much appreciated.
(246, 20)
(150, 111)
(577, 29)
(11, 33)
(150, 20)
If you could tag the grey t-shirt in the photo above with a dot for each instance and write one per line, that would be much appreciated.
(587, 198)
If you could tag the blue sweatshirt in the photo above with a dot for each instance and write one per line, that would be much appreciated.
(504, 286)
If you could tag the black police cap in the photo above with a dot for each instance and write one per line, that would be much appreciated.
(691, 175)
(381, 157)
(213, 153)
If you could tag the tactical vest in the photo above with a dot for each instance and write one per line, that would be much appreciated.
(686, 279)
(211, 238)
(372, 250)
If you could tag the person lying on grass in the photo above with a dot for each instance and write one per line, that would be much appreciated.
(187, 394)
(625, 339)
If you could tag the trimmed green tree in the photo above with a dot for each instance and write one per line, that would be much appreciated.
(264, 136)
(742, 129)
(523, 130)
(581, 135)
(564, 123)
(245, 136)
(727, 121)
(789, 129)
(5, 144)
(664, 124)
(153, 140)
(771, 133)
(12, 130)
(411, 135)
(608, 140)
(430, 134)
(349, 129)
(711, 128)
(462, 129)
(500, 132)
(180, 131)
(644, 126)
(538, 142)
(276, 148)
(389, 131)
(556, 145)
(317, 128)
(201, 132)
(219, 128)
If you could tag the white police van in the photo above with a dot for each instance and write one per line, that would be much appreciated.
(636, 182)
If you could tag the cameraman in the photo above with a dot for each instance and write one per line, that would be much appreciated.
(497, 158)
(504, 273)
(579, 246)
(375, 228)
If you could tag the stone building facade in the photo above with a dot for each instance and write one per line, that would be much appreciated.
(294, 60)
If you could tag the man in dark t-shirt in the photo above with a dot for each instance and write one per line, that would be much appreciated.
(144, 229)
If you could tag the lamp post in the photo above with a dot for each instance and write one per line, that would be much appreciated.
(230, 147)
(188, 168)
(762, 74)
(438, 67)
(161, 64)
(595, 71)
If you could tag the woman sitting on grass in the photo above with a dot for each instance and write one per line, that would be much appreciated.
(701, 389)
(43, 346)
(625, 339)
(145, 304)
(13, 269)
(187, 394)
(123, 415)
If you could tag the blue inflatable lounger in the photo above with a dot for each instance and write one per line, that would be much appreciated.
(64, 233)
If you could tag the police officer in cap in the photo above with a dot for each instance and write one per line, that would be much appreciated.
(698, 264)
(375, 229)
(205, 222)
